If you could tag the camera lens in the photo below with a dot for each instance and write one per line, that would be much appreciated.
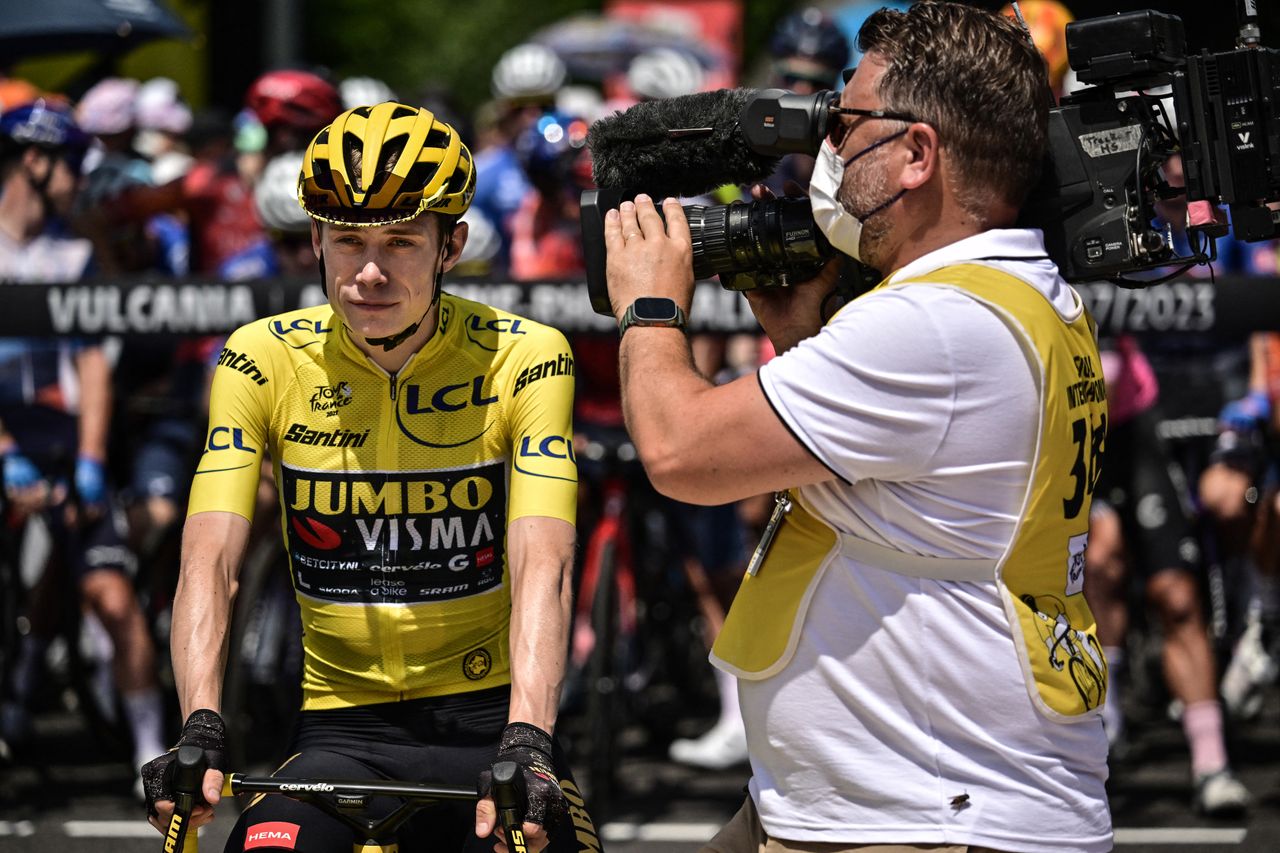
(775, 237)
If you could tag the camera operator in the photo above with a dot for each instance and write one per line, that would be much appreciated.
(915, 657)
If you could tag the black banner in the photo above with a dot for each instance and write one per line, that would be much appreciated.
(1229, 307)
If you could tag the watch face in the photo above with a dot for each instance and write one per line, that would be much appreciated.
(655, 309)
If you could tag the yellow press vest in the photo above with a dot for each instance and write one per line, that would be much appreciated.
(1041, 574)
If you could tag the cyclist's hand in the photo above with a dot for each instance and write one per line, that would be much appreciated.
(1246, 414)
(205, 729)
(23, 483)
(535, 837)
(201, 814)
(91, 483)
(530, 748)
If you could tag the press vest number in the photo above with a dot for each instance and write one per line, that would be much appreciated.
(1088, 439)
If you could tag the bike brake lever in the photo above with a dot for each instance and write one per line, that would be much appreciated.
(509, 798)
(188, 776)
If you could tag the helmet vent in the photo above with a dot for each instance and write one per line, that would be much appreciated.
(437, 138)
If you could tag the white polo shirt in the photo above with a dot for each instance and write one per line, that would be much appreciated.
(905, 693)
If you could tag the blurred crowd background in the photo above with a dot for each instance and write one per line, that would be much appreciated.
(167, 143)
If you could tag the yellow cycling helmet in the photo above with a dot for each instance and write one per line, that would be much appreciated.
(385, 163)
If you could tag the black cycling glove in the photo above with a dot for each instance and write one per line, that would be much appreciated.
(205, 729)
(530, 748)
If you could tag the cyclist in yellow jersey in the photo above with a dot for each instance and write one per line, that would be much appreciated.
(917, 666)
(423, 454)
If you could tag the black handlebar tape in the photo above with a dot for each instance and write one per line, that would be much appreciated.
(507, 796)
(188, 776)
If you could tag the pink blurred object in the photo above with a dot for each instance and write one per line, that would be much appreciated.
(160, 107)
(108, 107)
(1132, 387)
(1202, 214)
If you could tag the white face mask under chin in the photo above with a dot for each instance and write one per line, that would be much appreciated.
(842, 229)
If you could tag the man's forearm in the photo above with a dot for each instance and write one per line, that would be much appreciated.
(541, 609)
(660, 385)
(212, 547)
(94, 374)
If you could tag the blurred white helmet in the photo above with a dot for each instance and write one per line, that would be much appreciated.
(528, 71)
(276, 195)
(580, 101)
(108, 107)
(483, 239)
(664, 73)
(364, 91)
(159, 107)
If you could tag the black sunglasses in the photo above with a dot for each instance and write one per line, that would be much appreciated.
(837, 130)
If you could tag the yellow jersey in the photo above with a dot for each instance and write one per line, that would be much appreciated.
(395, 489)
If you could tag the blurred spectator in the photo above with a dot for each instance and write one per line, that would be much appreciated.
(108, 112)
(286, 249)
(1139, 524)
(809, 52)
(525, 82)
(162, 119)
(1240, 491)
(546, 237)
(217, 194)
(55, 406)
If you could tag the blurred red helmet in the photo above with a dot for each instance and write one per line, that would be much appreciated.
(293, 99)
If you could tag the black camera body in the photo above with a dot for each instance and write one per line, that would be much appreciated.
(1095, 201)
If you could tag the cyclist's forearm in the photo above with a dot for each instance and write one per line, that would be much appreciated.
(94, 374)
(541, 554)
(213, 544)
(1259, 366)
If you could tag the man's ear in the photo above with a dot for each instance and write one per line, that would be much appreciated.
(453, 248)
(315, 237)
(923, 149)
(37, 163)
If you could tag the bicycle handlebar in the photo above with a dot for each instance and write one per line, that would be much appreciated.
(190, 767)
(188, 773)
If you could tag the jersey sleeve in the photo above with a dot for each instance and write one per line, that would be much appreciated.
(544, 471)
(226, 480)
(873, 393)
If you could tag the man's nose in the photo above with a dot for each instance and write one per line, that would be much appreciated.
(370, 274)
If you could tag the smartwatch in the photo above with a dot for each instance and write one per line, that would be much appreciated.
(653, 311)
